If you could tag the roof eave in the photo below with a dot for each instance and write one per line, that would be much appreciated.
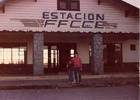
(2, 2)
(136, 5)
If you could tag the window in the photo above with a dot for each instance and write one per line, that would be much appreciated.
(72, 53)
(54, 56)
(51, 56)
(45, 55)
(73, 5)
(132, 47)
(12, 55)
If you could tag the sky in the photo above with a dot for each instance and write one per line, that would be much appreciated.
(133, 2)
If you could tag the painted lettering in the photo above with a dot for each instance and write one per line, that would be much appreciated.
(62, 22)
(99, 17)
(75, 24)
(49, 22)
(99, 24)
(62, 15)
(54, 15)
(78, 16)
(46, 15)
(87, 24)
(90, 16)
(69, 16)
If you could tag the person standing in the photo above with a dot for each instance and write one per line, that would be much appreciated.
(70, 70)
(77, 68)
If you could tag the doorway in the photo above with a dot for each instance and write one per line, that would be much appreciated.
(57, 55)
(112, 57)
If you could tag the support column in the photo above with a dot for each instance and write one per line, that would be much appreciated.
(97, 66)
(29, 52)
(38, 44)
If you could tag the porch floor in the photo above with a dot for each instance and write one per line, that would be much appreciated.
(61, 81)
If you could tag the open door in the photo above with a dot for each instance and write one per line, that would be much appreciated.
(57, 55)
(112, 57)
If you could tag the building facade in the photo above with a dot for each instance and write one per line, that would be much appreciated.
(39, 36)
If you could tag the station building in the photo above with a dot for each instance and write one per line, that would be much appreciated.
(38, 37)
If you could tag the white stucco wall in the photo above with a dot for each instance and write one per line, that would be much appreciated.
(127, 54)
(83, 50)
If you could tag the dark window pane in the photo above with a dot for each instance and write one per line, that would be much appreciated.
(63, 5)
(68, 5)
(132, 47)
(74, 5)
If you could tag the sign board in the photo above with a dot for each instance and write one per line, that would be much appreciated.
(69, 21)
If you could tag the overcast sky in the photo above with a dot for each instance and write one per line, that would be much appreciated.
(133, 2)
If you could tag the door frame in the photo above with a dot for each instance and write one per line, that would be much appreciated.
(60, 52)
(116, 65)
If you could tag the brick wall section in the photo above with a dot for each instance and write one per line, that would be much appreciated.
(38, 43)
(97, 54)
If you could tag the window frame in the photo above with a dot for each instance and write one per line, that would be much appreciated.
(20, 55)
(68, 5)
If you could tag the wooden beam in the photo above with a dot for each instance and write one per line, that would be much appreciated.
(126, 13)
(3, 8)
(99, 2)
